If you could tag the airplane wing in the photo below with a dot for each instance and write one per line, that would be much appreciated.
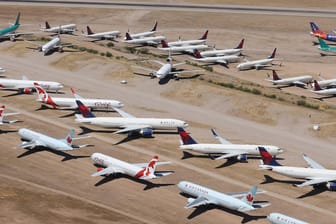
(222, 62)
(159, 62)
(315, 181)
(312, 163)
(182, 63)
(219, 138)
(146, 69)
(132, 128)
(299, 83)
(107, 171)
(197, 202)
(31, 144)
(123, 113)
(229, 155)
(142, 165)
(242, 194)
(260, 66)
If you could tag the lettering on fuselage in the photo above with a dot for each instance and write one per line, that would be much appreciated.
(196, 188)
(102, 104)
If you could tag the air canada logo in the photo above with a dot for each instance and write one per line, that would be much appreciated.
(249, 198)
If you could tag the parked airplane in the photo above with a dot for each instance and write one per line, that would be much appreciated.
(215, 52)
(316, 32)
(2, 70)
(144, 34)
(277, 218)
(316, 174)
(258, 64)
(108, 35)
(301, 81)
(326, 92)
(51, 46)
(189, 42)
(184, 48)
(147, 40)
(2, 115)
(108, 165)
(127, 123)
(242, 201)
(228, 149)
(223, 60)
(61, 29)
(324, 46)
(25, 85)
(326, 83)
(70, 103)
(32, 139)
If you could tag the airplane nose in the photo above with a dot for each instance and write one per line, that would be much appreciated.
(280, 150)
(185, 124)
(180, 185)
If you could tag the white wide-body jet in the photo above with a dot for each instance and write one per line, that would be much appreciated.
(316, 174)
(61, 29)
(25, 85)
(301, 81)
(325, 92)
(258, 64)
(277, 218)
(226, 148)
(144, 34)
(108, 165)
(184, 48)
(242, 201)
(148, 40)
(223, 60)
(108, 35)
(34, 139)
(70, 103)
(181, 42)
(51, 46)
(217, 52)
(3, 115)
(128, 123)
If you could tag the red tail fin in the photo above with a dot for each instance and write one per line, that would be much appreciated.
(47, 26)
(149, 170)
(197, 54)
(89, 31)
(128, 36)
(317, 87)
(164, 44)
(205, 35)
(155, 26)
(273, 53)
(275, 75)
(240, 45)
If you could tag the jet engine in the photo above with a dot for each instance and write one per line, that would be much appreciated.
(190, 200)
(331, 186)
(146, 132)
(26, 90)
(242, 157)
(60, 49)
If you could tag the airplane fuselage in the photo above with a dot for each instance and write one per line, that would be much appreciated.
(70, 103)
(188, 48)
(255, 64)
(104, 35)
(185, 43)
(218, 59)
(8, 30)
(220, 52)
(22, 84)
(68, 28)
(164, 71)
(146, 40)
(331, 91)
(302, 172)
(142, 35)
(277, 218)
(326, 83)
(292, 80)
(51, 45)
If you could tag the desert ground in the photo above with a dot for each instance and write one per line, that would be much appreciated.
(48, 187)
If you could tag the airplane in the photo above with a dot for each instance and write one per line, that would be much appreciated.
(324, 46)
(109, 35)
(240, 201)
(326, 92)
(152, 41)
(2, 115)
(144, 34)
(9, 32)
(316, 32)
(316, 175)
(258, 64)
(189, 42)
(32, 139)
(326, 83)
(127, 123)
(226, 148)
(223, 60)
(301, 81)
(184, 48)
(26, 86)
(61, 29)
(2, 70)
(215, 52)
(51, 46)
(277, 218)
(108, 165)
(70, 103)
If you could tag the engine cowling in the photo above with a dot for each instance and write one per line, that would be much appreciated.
(331, 186)
(146, 132)
(242, 157)
(190, 200)
(26, 90)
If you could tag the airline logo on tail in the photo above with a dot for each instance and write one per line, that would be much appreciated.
(241, 44)
(149, 169)
(43, 95)
(267, 157)
(273, 54)
(249, 197)
(205, 35)
(275, 75)
(185, 137)
(70, 136)
(2, 108)
(84, 110)
(315, 31)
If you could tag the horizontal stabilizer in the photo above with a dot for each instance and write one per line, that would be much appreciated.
(260, 205)
(162, 173)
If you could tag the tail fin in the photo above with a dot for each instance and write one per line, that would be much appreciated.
(275, 75)
(323, 44)
(185, 137)
(315, 29)
(84, 110)
(164, 44)
(273, 53)
(267, 157)
(197, 54)
(70, 136)
(47, 26)
(241, 44)
(317, 87)
(17, 21)
(154, 27)
(89, 31)
(41, 93)
(205, 35)
(128, 36)
(2, 108)
(148, 171)
(249, 197)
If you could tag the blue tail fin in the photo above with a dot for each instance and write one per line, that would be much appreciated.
(267, 157)
(314, 28)
(84, 110)
(185, 137)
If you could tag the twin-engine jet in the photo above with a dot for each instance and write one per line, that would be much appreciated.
(217, 52)
(61, 29)
(147, 40)
(223, 60)
(325, 92)
(108, 35)
(9, 32)
(51, 46)
(144, 34)
(300, 81)
(181, 42)
(258, 64)
(3, 115)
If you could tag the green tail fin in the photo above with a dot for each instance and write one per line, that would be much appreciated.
(323, 44)
(17, 21)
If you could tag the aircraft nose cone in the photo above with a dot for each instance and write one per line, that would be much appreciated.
(185, 124)
(180, 185)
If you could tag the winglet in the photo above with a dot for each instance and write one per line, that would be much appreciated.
(185, 137)
(267, 157)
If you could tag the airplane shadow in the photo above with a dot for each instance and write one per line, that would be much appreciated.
(8, 131)
(324, 97)
(133, 136)
(269, 179)
(315, 191)
(167, 79)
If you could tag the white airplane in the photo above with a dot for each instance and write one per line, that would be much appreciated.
(51, 46)
(127, 123)
(2, 115)
(10, 31)
(189, 42)
(301, 81)
(26, 86)
(242, 201)
(108, 165)
(258, 64)
(61, 29)
(70, 103)
(144, 34)
(223, 60)
(326, 83)
(109, 35)
(34, 139)
(2, 70)
(215, 52)
(316, 174)
(184, 48)
(277, 218)
(228, 149)
(326, 92)
(153, 41)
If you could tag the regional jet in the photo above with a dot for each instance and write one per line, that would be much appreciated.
(226, 148)
(127, 123)
(325, 92)
(258, 64)
(242, 201)
(300, 81)
(152, 41)
(215, 52)
(32, 139)
(9, 32)
(61, 29)
(108, 35)
(108, 165)
(144, 34)
(277, 218)
(51, 46)
(184, 48)
(70, 103)
(181, 42)
(2, 115)
(223, 60)
(316, 32)
(316, 174)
